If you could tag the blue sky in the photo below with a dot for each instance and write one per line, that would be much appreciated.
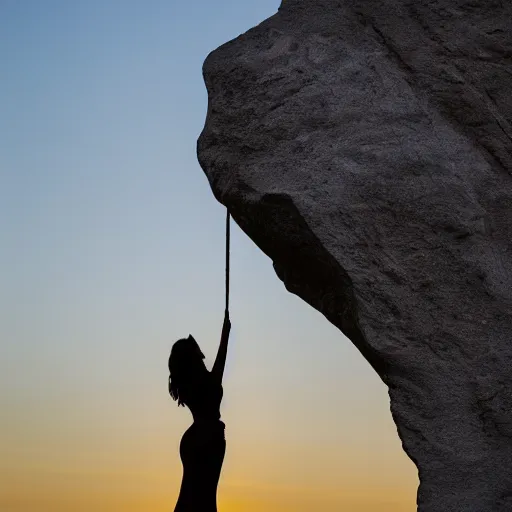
(113, 247)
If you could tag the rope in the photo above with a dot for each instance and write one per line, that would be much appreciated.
(227, 258)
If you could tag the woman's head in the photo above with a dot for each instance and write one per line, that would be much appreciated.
(185, 362)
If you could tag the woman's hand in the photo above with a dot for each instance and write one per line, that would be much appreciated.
(226, 328)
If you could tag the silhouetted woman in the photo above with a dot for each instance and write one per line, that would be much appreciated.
(203, 445)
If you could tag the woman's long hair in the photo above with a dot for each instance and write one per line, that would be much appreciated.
(185, 365)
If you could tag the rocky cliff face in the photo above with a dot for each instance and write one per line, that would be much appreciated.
(366, 147)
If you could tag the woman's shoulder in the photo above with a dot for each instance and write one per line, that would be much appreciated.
(213, 380)
(212, 376)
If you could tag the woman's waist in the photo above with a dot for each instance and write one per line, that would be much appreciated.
(212, 421)
(206, 428)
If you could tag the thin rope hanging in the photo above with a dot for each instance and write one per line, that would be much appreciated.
(227, 258)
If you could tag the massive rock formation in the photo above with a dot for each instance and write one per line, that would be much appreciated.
(366, 147)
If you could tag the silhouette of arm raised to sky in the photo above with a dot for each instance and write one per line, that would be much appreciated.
(220, 360)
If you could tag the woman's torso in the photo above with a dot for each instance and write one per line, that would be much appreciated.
(204, 402)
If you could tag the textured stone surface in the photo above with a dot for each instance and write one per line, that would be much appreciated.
(366, 147)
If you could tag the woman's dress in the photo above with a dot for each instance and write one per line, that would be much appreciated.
(202, 450)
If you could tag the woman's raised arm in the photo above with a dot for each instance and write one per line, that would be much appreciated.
(220, 360)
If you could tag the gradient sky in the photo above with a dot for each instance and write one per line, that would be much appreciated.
(112, 248)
